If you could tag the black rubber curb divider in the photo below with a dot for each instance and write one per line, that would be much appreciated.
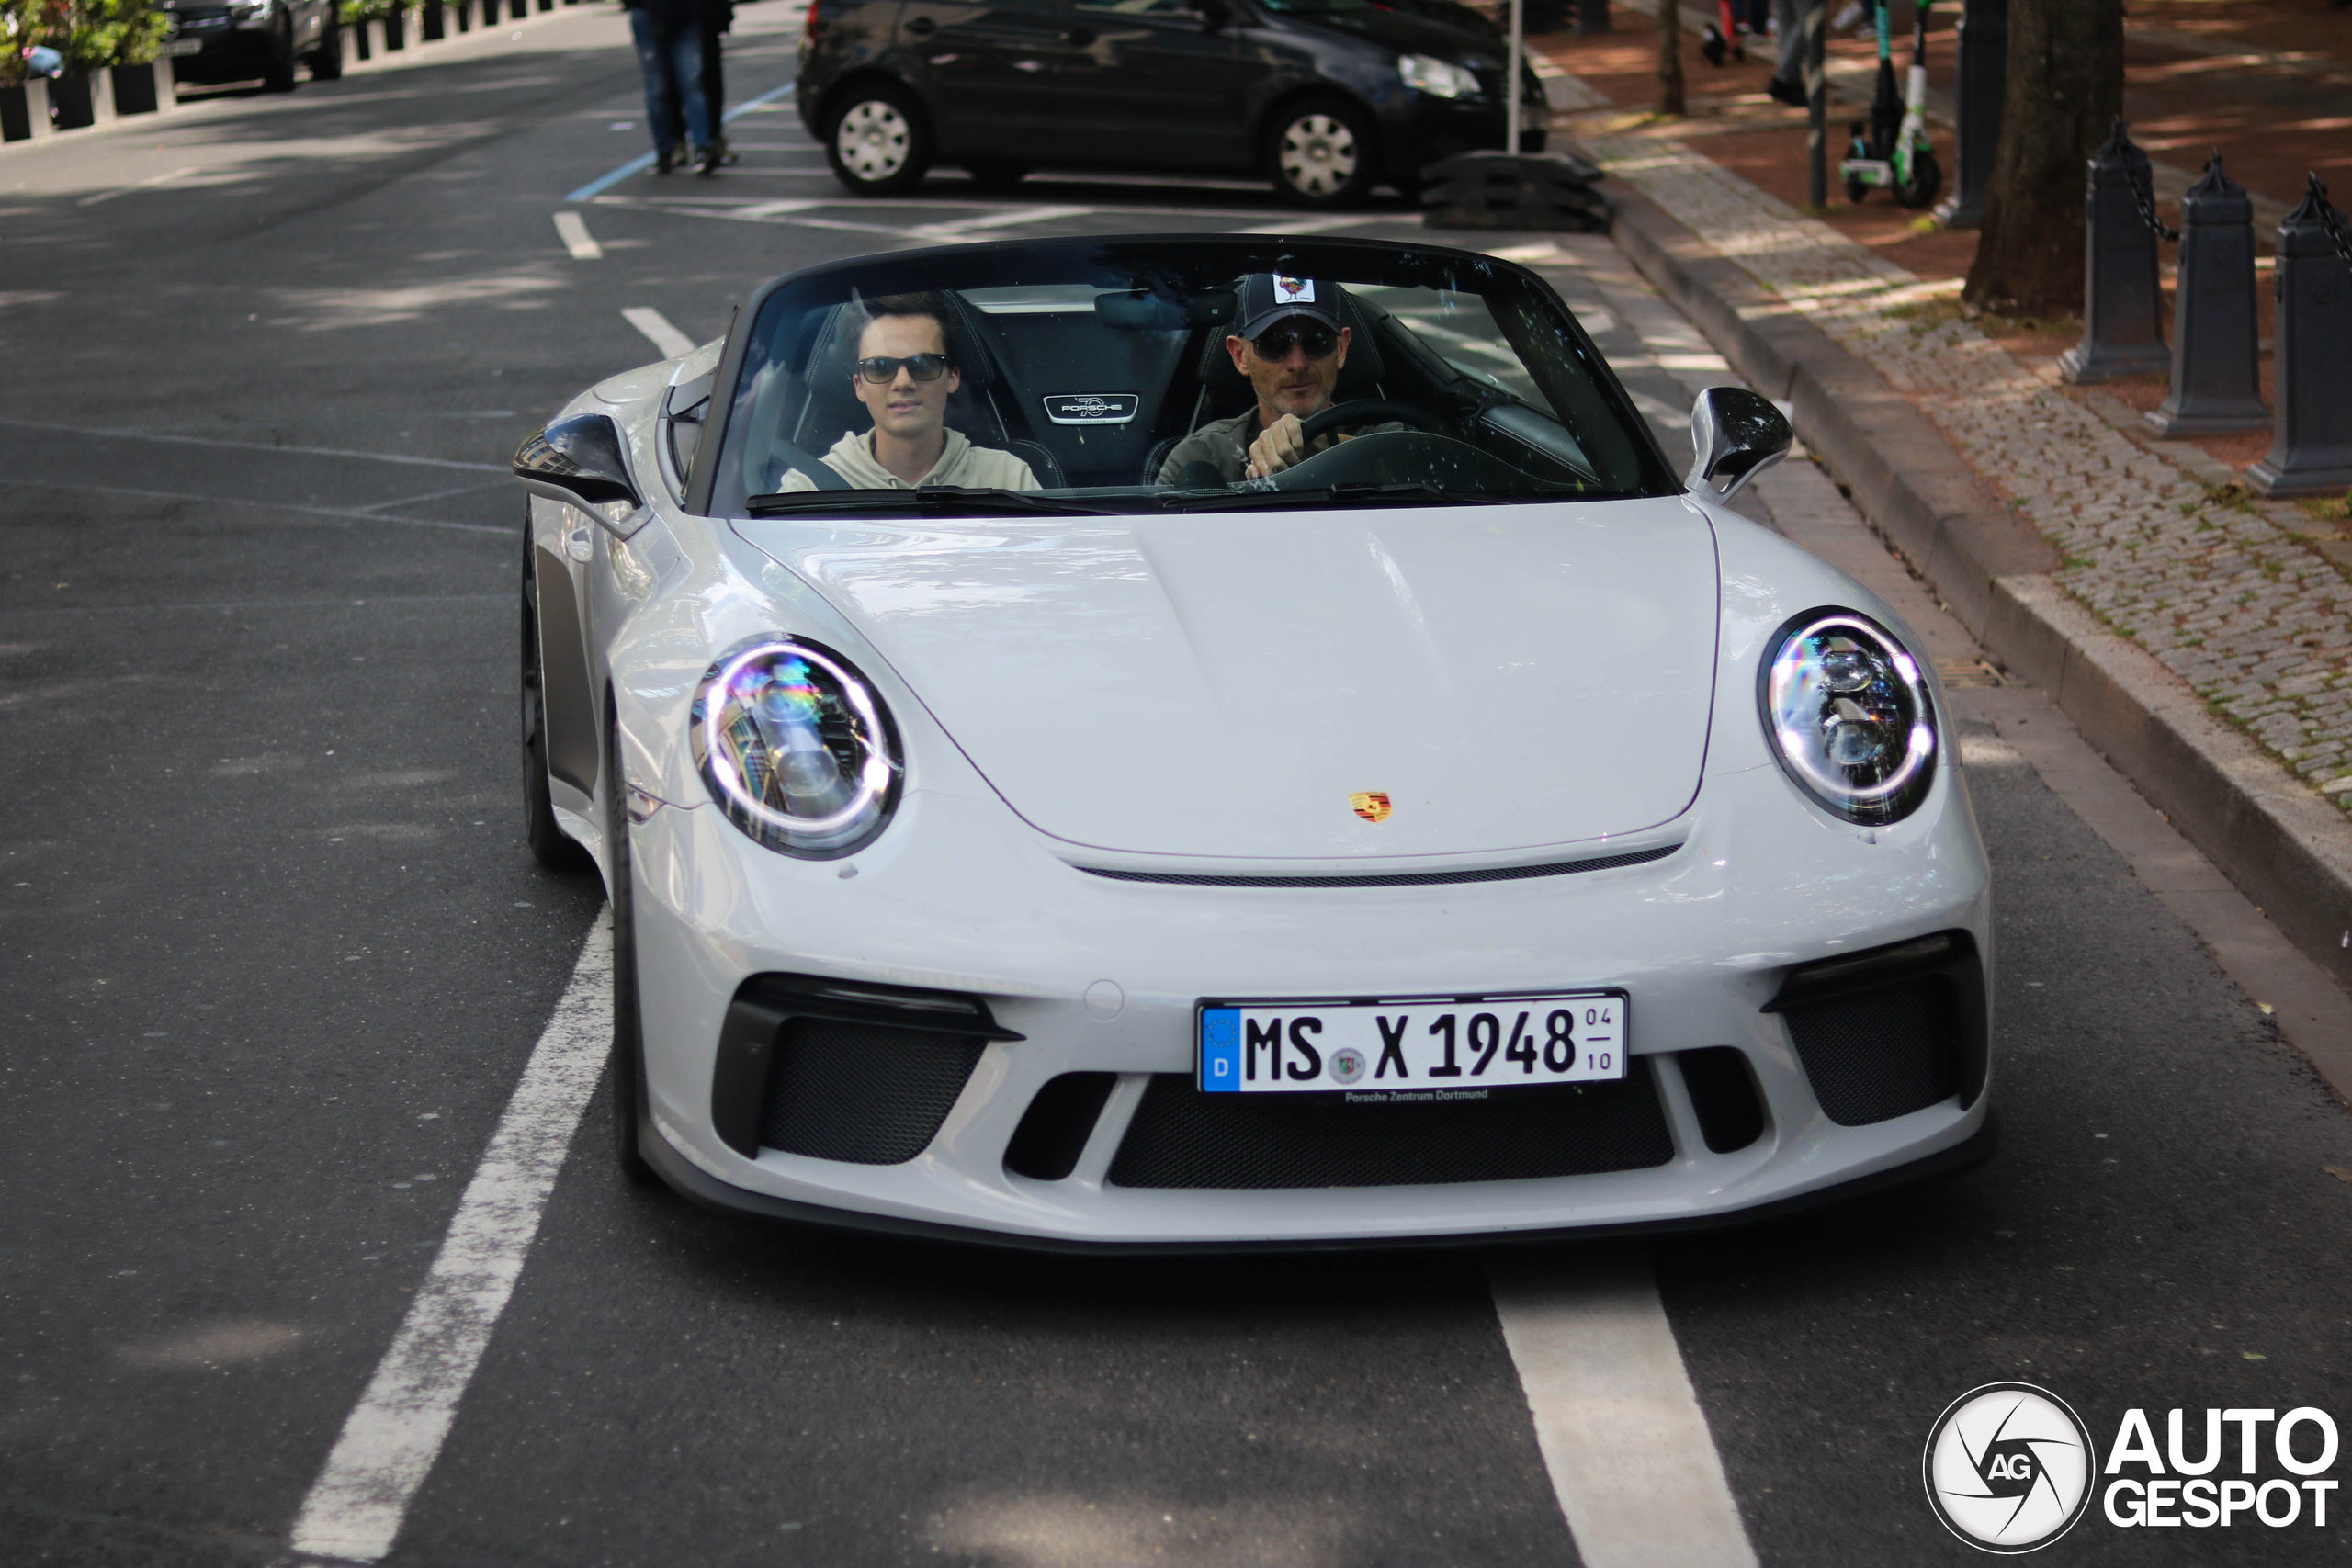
(2289, 849)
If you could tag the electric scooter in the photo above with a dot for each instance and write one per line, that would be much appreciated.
(1893, 149)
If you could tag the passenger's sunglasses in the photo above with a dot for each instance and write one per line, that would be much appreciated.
(881, 370)
(1275, 346)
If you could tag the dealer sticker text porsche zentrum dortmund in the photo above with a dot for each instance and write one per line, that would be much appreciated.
(1431, 1047)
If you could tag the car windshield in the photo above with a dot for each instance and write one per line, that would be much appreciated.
(1213, 374)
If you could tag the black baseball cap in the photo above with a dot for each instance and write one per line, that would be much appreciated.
(1270, 297)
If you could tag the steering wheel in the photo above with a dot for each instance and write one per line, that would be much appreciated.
(1367, 411)
(793, 457)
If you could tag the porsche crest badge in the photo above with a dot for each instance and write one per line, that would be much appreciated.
(1372, 805)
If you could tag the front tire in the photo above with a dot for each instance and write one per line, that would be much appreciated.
(1322, 154)
(877, 142)
(550, 846)
(280, 76)
(1926, 180)
(628, 1025)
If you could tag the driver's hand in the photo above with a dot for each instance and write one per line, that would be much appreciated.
(1278, 446)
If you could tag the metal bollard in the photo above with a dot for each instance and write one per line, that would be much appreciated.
(1984, 82)
(1592, 17)
(2123, 332)
(2312, 452)
(2216, 361)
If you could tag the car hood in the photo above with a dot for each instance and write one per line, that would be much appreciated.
(1447, 32)
(1221, 686)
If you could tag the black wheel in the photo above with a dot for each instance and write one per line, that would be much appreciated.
(629, 1028)
(550, 845)
(280, 76)
(327, 61)
(1322, 154)
(1926, 179)
(877, 141)
(995, 174)
(1855, 191)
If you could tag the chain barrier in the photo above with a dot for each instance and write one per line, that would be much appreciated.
(2334, 224)
(2143, 195)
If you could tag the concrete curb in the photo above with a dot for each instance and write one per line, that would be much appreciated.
(2289, 849)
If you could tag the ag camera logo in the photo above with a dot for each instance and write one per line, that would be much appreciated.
(2008, 1467)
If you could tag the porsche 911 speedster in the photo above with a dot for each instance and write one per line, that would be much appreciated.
(1213, 742)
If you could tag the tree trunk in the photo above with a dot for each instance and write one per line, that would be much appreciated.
(1669, 56)
(2065, 93)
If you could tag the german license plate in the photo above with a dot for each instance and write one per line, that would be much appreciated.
(1435, 1048)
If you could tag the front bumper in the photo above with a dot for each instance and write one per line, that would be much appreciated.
(960, 896)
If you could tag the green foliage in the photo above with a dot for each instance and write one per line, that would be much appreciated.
(355, 12)
(20, 19)
(90, 34)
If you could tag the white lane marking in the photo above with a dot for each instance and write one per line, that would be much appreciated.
(1616, 1419)
(143, 184)
(573, 230)
(957, 226)
(1317, 225)
(395, 1432)
(253, 445)
(345, 513)
(658, 330)
(644, 161)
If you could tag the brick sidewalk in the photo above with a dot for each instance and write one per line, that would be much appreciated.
(2223, 592)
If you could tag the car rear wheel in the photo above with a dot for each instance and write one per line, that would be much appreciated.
(877, 142)
(327, 61)
(628, 1027)
(1322, 155)
(280, 76)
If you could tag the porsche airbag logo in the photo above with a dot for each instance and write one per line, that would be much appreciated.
(1372, 804)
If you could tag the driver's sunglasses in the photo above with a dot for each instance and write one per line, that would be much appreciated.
(881, 370)
(1274, 347)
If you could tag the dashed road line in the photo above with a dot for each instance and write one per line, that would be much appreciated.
(1616, 1419)
(573, 230)
(143, 184)
(392, 1437)
(249, 445)
(658, 331)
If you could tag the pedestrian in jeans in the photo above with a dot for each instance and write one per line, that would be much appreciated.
(669, 38)
(717, 16)
(1787, 84)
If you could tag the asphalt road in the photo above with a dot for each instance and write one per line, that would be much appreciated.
(272, 957)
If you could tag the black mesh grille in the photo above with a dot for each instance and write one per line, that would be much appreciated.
(1391, 879)
(1181, 1137)
(862, 1092)
(1880, 1054)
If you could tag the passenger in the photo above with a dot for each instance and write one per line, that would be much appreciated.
(904, 373)
(1291, 346)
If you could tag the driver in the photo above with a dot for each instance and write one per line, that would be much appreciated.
(1291, 347)
(904, 373)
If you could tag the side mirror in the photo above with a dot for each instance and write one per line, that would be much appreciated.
(580, 461)
(1735, 436)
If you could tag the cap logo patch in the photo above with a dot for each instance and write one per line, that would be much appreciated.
(1372, 804)
(1294, 290)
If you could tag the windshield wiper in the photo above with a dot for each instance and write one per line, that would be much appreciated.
(1354, 493)
(938, 499)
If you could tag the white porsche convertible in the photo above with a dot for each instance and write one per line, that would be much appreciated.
(1213, 742)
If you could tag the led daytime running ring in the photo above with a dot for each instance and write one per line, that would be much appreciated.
(873, 772)
(1891, 798)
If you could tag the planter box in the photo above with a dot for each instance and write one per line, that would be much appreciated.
(24, 111)
(396, 30)
(81, 99)
(430, 28)
(519, 10)
(139, 89)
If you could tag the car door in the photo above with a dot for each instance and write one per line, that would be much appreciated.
(1154, 83)
(989, 73)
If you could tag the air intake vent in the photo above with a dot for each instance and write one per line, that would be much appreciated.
(1391, 879)
(1889, 1031)
(1055, 1128)
(1181, 1137)
(1723, 1094)
(843, 1070)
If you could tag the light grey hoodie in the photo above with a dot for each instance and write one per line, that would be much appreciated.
(979, 467)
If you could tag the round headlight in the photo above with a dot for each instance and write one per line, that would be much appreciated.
(796, 748)
(1850, 715)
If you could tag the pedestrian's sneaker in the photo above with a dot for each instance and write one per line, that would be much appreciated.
(665, 158)
(707, 159)
(725, 154)
(1848, 16)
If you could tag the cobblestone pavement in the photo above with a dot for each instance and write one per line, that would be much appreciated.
(2256, 620)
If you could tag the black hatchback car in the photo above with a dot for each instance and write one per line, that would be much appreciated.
(1325, 98)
